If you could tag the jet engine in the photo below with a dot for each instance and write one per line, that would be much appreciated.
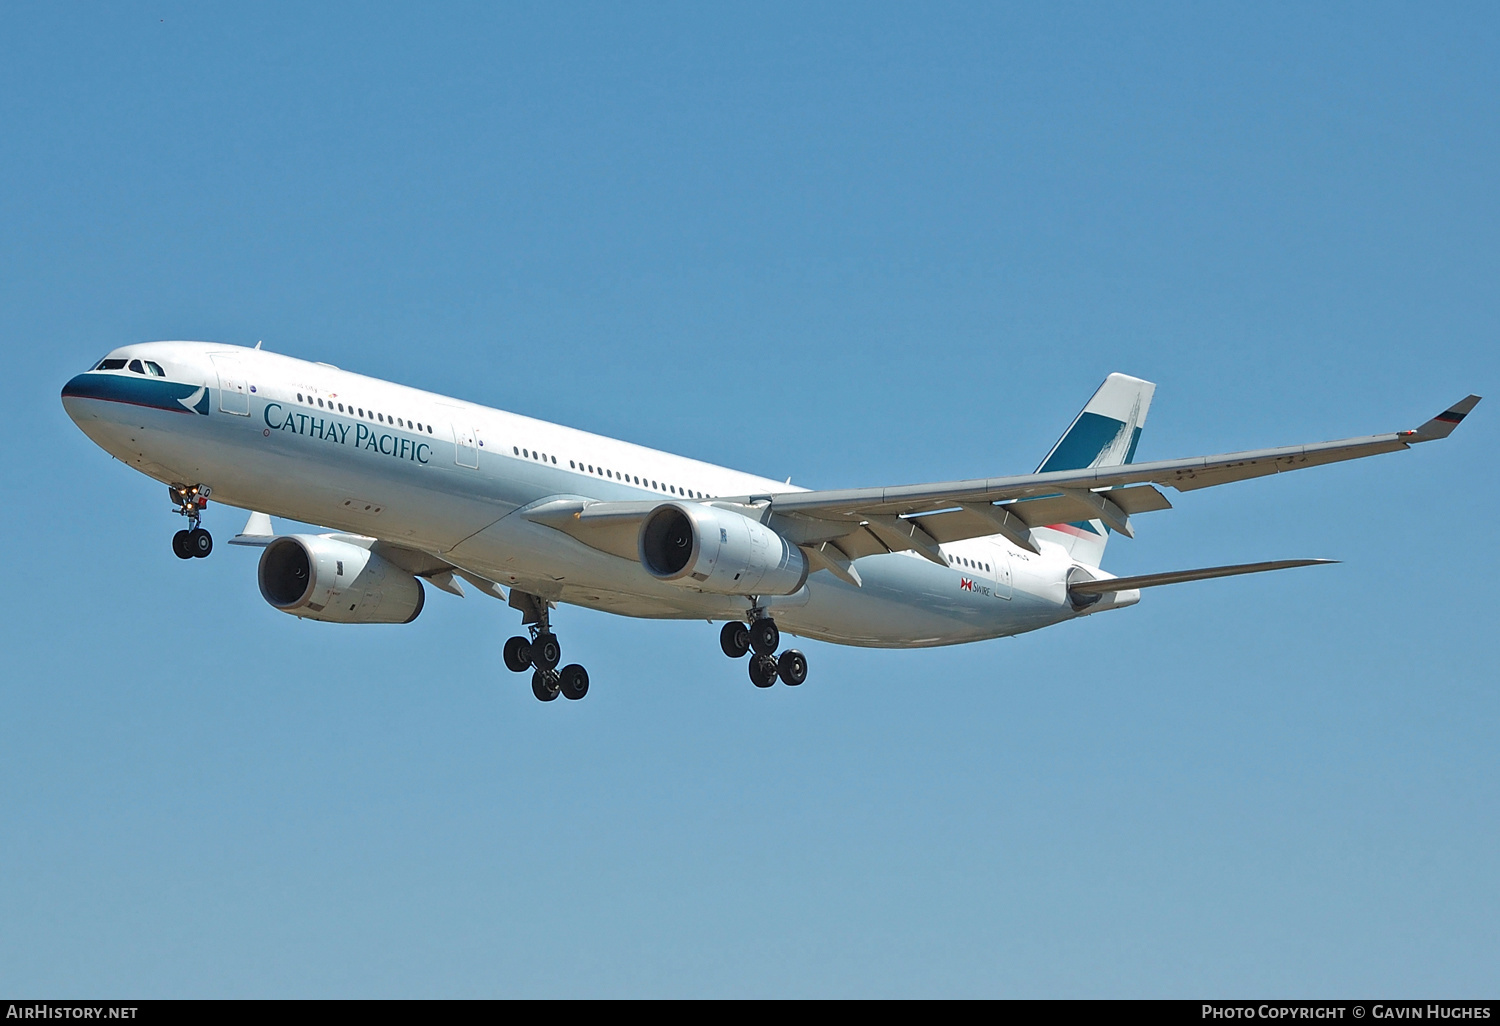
(324, 578)
(719, 551)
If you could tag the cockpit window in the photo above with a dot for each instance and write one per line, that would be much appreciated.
(154, 369)
(111, 365)
(135, 365)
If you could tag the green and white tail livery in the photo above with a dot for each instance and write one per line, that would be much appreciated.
(1104, 434)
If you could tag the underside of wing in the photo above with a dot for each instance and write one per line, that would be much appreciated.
(919, 517)
(440, 573)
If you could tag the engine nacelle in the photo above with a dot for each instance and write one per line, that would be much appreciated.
(719, 551)
(323, 578)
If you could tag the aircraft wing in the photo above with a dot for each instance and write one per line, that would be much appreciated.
(439, 572)
(836, 527)
(861, 521)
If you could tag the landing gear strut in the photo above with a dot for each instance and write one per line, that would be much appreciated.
(190, 501)
(540, 653)
(763, 637)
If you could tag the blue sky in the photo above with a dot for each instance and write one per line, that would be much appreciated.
(851, 245)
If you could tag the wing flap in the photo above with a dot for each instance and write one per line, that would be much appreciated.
(956, 525)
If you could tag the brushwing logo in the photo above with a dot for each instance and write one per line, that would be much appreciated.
(198, 401)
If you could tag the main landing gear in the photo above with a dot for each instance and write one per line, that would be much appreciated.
(761, 637)
(190, 501)
(541, 653)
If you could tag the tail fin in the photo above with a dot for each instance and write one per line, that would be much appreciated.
(1104, 434)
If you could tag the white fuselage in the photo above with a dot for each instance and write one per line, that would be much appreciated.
(314, 443)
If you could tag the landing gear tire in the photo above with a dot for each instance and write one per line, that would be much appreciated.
(764, 636)
(734, 639)
(544, 686)
(546, 653)
(791, 667)
(517, 655)
(199, 542)
(573, 681)
(763, 671)
(180, 545)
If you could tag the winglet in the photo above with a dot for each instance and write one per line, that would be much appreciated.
(1443, 424)
(258, 531)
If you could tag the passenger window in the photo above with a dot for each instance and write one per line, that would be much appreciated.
(341, 407)
(299, 397)
(135, 365)
(155, 369)
(320, 402)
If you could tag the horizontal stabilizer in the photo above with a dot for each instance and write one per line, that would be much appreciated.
(1179, 576)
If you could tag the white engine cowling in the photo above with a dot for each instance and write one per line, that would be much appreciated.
(720, 551)
(323, 578)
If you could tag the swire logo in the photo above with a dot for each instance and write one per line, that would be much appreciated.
(965, 584)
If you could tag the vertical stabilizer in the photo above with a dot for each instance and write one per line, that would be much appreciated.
(1104, 434)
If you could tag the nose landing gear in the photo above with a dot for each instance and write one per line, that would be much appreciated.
(190, 500)
(541, 653)
(763, 636)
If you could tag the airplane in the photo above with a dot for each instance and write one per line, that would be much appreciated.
(419, 487)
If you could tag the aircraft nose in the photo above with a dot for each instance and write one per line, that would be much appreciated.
(75, 389)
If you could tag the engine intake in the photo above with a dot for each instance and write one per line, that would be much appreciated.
(323, 578)
(719, 551)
